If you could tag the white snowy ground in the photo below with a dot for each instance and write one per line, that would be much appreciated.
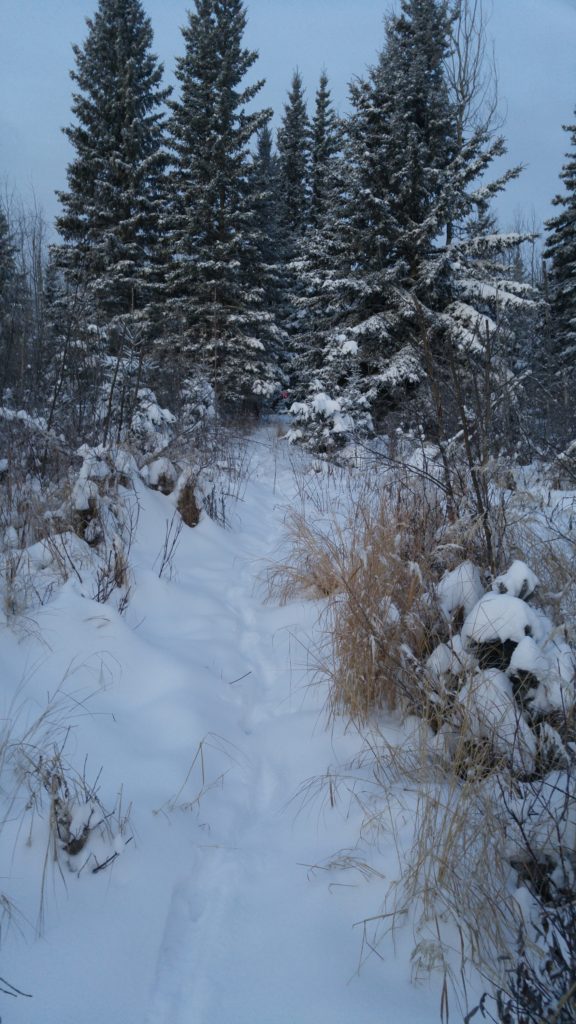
(211, 915)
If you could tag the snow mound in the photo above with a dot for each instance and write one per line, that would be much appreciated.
(518, 581)
(530, 658)
(450, 659)
(161, 474)
(493, 714)
(461, 588)
(499, 617)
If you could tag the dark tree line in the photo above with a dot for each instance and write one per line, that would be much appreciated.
(357, 263)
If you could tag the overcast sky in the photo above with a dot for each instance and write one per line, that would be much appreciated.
(535, 44)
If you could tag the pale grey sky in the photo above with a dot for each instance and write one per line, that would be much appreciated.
(535, 47)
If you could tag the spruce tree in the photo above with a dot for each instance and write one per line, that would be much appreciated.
(7, 265)
(8, 277)
(561, 249)
(398, 148)
(294, 161)
(218, 313)
(109, 222)
(402, 142)
(265, 191)
(321, 295)
(403, 291)
(325, 144)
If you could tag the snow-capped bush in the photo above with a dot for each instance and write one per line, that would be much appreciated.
(79, 528)
(323, 418)
(459, 590)
(506, 664)
(151, 427)
(198, 400)
(519, 581)
(161, 475)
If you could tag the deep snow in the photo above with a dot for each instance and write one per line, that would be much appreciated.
(198, 704)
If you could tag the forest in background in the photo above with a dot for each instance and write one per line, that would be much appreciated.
(352, 266)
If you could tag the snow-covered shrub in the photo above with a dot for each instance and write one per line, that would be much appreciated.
(160, 474)
(103, 512)
(220, 466)
(197, 400)
(151, 427)
(76, 523)
(414, 625)
(34, 467)
(497, 806)
(506, 667)
(325, 424)
(541, 984)
(542, 531)
(204, 468)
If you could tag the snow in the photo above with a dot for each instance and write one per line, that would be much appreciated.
(556, 689)
(350, 347)
(461, 588)
(328, 408)
(191, 718)
(160, 469)
(84, 495)
(324, 405)
(492, 713)
(404, 367)
(529, 657)
(151, 425)
(474, 289)
(450, 659)
(518, 580)
(501, 617)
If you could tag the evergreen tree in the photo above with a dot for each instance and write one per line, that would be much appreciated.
(8, 276)
(109, 222)
(7, 264)
(402, 293)
(218, 299)
(402, 143)
(398, 149)
(321, 263)
(561, 249)
(265, 192)
(324, 147)
(294, 160)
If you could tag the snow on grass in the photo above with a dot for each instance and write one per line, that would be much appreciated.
(501, 617)
(192, 718)
(461, 588)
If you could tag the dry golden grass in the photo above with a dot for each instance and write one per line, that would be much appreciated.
(457, 880)
(373, 564)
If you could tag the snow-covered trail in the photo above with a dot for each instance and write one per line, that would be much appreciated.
(204, 714)
(245, 936)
